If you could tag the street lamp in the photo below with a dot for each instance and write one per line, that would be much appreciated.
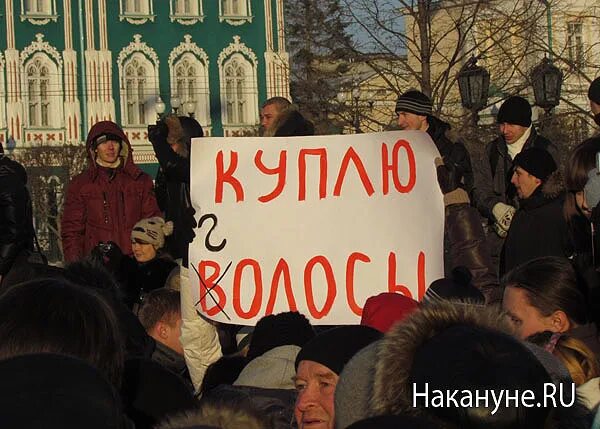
(175, 103)
(474, 84)
(190, 108)
(159, 107)
(546, 80)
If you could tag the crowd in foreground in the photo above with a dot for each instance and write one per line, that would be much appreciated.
(508, 339)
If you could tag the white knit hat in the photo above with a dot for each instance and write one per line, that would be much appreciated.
(152, 231)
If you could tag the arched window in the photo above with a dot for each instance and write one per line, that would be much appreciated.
(137, 92)
(139, 83)
(235, 94)
(189, 78)
(238, 83)
(39, 74)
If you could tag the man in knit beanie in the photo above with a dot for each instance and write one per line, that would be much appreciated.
(494, 194)
(318, 368)
(415, 113)
(538, 228)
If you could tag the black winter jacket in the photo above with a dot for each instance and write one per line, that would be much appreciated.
(492, 182)
(172, 188)
(453, 154)
(16, 221)
(138, 279)
(538, 228)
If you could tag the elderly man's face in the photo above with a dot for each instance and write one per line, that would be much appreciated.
(268, 115)
(315, 384)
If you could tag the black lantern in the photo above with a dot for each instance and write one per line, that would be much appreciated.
(546, 80)
(474, 84)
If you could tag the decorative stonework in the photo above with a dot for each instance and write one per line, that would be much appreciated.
(244, 14)
(234, 47)
(42, 16)
(187, 20)
(2, 62)
(236, 21)
(136, 19)
(188, 46)
(39, 45)
(137, 46)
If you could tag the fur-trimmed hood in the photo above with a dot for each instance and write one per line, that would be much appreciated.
(554, 185)
(392, 393)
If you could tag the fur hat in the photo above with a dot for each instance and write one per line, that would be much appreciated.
(182, 129)
(335, 347)
(537, 162)
(152, 231)
(414, 101)
(459, 347)
(515, 110)
(275, 330)
(383, 310)
(594, 91)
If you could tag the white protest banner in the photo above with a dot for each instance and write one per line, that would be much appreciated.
(313, 224)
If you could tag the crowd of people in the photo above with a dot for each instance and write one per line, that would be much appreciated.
(111, 339)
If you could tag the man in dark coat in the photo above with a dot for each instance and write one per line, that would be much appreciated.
(16, 225)
(495, 195)
(414, 110)
(105, 201)
(171, 140)
(538, 227)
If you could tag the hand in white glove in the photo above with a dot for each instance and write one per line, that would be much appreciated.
(504, 215)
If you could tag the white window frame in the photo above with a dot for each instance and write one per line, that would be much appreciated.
(136, 11)
(575, 43)
(235, 17)
(201, 91)
(143, 111)
(249, 88)
(186, 17)
(53, 100)
(43, 11)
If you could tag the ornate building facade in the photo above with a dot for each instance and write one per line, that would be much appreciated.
(66, 64)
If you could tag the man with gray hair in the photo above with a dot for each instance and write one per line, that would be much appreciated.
(279, 118)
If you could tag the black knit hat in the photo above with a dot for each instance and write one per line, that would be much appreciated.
(414, 101)
(515, 110)
(457, 287)
(537, 162)
(594, 91)
(335, 347)
(290, 328)
(480, 359)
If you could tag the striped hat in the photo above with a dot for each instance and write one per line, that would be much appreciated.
(414, 101)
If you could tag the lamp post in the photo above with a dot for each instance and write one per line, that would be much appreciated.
(175, 103)
(159, 107)
(190, 108)
(474, 85)
(356, 105)
(546, 80)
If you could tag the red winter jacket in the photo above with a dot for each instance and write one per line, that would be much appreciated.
(99, 207)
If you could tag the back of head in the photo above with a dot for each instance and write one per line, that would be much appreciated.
(457, 347)
(581, 160)
(550, 284)
(191, 127)
(151, 392)
(46, 391)
(55, 316)
(289, 328)
(457, 287)
(382, 311)
(159, 304)
(229, 411)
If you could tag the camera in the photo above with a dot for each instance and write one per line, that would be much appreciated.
(105, 247)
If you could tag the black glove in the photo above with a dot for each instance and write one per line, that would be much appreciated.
(109, 254)
(449, 176)
(158, 133)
